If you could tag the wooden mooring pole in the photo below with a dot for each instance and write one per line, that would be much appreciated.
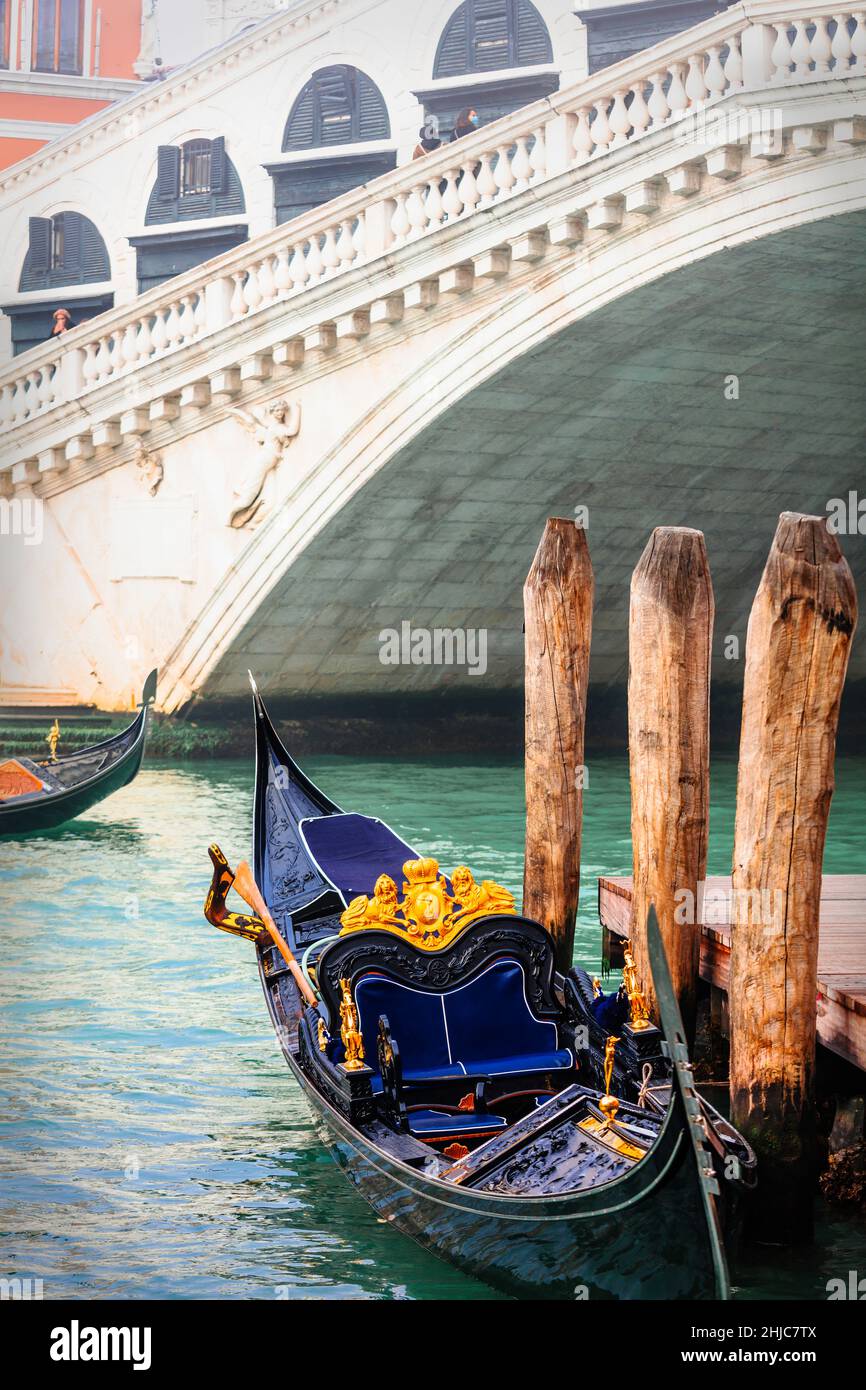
(797, 650)
(670, 645)
(557, 601)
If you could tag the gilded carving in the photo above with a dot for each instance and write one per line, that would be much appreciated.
(428, 916)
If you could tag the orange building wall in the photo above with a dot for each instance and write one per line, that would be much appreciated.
(120, 36)
(20, 106)
(13, 150)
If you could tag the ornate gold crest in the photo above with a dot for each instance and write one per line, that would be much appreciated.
(429, 916)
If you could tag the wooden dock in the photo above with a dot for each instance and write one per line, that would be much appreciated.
(841, 952)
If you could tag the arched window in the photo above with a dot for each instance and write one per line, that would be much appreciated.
(194, 180)
(58, 26)
(65, 249)
(339, 106)
(488, 35)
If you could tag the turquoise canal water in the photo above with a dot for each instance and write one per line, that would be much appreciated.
(152, 1143)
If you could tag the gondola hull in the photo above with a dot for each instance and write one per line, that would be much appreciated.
(598, 1244)
(122, 756)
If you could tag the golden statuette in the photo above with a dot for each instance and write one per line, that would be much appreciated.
(322, 1032)
(429, 916)
(638, 1007)
(608, 1105)
(350, 1029)
(52, 739)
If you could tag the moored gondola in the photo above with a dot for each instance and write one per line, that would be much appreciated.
(443, 1062)
(38, 796)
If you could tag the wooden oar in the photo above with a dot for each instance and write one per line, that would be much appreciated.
(253, 928)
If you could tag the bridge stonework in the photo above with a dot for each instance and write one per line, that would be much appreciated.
(641, 297)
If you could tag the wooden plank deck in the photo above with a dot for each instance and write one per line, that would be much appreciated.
(841, 952)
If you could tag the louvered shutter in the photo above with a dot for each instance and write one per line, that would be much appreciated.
(300, 127)
(72, 245)
(337, 105)
(533, 40)
(95, 264)
(492, 35)
(452, 57)
(168, 173)
(373, 120)
(218, 168)
(40, 245)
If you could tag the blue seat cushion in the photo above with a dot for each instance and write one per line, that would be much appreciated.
(432, 1124)
(484, 1028)
(352, 851)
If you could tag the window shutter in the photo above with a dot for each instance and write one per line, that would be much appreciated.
(533, 40)
(492, 35)
(40, 244)
(72, 244)
(218, 165)
(95, 264)
(373, 120)
(300, 134)
(337, 94)
(168, 173)
(452, 57)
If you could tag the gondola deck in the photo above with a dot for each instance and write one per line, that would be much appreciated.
(482, 1135)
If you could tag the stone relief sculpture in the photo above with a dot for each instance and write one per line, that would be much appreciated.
(273, 429)
(149, 54)
(150, 466)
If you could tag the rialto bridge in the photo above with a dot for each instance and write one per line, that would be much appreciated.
(642, 296)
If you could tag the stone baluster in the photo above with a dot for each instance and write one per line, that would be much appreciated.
(130, 345)
(434, 209)
(315, 263)
(820, 47)
(144, 342)
(359, 236)
(521, 165)
(346, 244)
(252, 290)
(7, 413)
(200, 313)
(503, 174)
(858, 42)
(187, 319)
(400, 224)
(116, 353)
(239, 303)
(90, 370)
(658, 103)
(620, 120)
(283, 272)
(840, 47)
(468, 190)
(330, 254)
(173, 328)
(733, 64)
(714, 75)
(602, 135)
(159, 335)
(103, 359)
(801, 50)
(33, 394)
(298, 268)
(678, 99)
(416, 212)
(781, 56)
(638, 112)
(583, 141)
(452, 202)
(697, 90)
(486, 182)
(538, 154)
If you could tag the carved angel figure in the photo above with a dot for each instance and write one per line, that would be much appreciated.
(273, 430)
(150, 467)
(478, 900)
(370, 912)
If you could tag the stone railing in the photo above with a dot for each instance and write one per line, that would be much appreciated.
(748, 47)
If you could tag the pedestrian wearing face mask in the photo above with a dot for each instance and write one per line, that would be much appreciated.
(466, 122)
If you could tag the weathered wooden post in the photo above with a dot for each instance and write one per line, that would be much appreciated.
(797, 650)
(670, 646)
(557, 601)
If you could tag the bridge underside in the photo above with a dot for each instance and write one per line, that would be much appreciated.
(626, 413)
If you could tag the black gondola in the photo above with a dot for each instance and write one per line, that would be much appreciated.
(55, 791)
(474, 1130)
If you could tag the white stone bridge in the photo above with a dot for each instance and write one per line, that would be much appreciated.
(643, 296)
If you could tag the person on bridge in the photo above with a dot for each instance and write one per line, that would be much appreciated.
(430, 140)
(467, 121)
(61, 322)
